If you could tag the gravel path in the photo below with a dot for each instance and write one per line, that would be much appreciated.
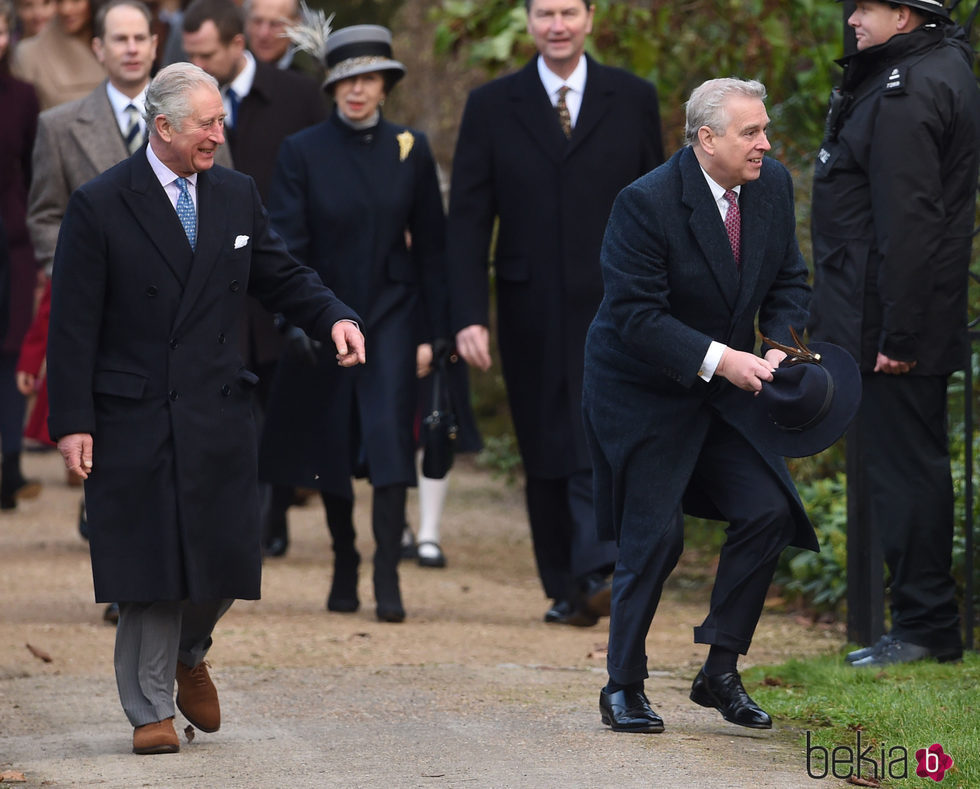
(473, 690)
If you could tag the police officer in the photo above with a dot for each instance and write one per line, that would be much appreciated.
(893, 213)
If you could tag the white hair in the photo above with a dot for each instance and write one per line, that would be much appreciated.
(706, 106)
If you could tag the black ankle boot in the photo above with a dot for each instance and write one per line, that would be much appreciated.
(13, 486)
(343, 590)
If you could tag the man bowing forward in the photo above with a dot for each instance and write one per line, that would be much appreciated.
(150, 400)
(693, 253)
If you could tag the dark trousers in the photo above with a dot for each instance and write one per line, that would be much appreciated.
(736, 480)
(905, 458)
(563, 530)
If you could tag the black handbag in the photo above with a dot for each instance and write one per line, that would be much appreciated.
(439, 426)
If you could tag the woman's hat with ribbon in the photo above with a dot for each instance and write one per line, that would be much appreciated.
(812, 398)
(361, 49)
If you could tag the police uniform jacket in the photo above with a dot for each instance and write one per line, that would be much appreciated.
(893, 203)
(343, 200)
(143, 353)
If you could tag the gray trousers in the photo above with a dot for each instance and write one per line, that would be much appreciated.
(150, 639)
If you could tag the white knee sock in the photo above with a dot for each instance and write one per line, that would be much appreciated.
(432, 498)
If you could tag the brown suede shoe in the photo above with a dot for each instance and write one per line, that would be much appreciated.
(197, 697)
(159, 737)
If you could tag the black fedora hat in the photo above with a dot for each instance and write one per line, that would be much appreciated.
(811, 400)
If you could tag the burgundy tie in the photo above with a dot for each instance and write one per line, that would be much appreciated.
(733, 224)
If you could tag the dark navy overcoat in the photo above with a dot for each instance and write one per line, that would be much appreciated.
(143, 353)
(364, 210)
(671, 287)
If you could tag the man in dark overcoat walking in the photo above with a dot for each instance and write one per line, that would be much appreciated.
(667, 356)
(150, 399)
(545, 151)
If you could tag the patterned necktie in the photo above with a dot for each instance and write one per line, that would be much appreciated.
(186, 213)
(133, 137)
(733, 224)
(564, 117)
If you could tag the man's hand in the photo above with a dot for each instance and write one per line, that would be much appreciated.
(350, 343)
(473, 344)
(745, 370)
(76, 449)
(884, 364)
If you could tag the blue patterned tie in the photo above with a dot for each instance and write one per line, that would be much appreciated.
(186, 213)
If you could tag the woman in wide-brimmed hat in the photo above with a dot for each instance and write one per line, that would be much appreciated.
(357, 198)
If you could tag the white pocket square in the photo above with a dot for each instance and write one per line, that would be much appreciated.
(240, 241)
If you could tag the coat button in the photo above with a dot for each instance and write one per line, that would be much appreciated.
(235, 286)
(152, 291)
(225, 390)
(221, 337)
(173, 394)
(174, 343)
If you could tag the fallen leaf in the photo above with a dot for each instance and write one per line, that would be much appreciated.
(189, 732)
(12, 777)
(39, 653)
(853, 779)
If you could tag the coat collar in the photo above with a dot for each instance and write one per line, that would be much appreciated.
(156, 216)
(736, 283)
(534, 110)
(95, 131)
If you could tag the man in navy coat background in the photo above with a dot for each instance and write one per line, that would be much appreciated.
(670, 349)
(150, 399)
(545, 151)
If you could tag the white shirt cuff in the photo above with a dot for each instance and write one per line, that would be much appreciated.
(711, 359)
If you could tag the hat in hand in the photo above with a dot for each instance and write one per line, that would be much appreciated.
(812, 398)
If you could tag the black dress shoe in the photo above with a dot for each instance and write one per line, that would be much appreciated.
(629, 710)
(564, 613)
(596, 594)
(111, 614)
(726, 694)
(898, 651)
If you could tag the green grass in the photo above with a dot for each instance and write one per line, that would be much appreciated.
(910, 706)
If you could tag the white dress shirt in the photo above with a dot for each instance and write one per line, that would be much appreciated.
(710, 363)
(119, 101)
(168, 179)
(575, 82)
(241, 84)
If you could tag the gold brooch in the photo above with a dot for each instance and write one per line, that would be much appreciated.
(405, 142)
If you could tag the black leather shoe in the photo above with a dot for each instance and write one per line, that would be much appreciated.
(629, 710)
(596, 594)
(864, 652)
(726, 694)
(897, 651)
(564, 613)
(111, 614)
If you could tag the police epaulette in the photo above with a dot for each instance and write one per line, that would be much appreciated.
(895, 82)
